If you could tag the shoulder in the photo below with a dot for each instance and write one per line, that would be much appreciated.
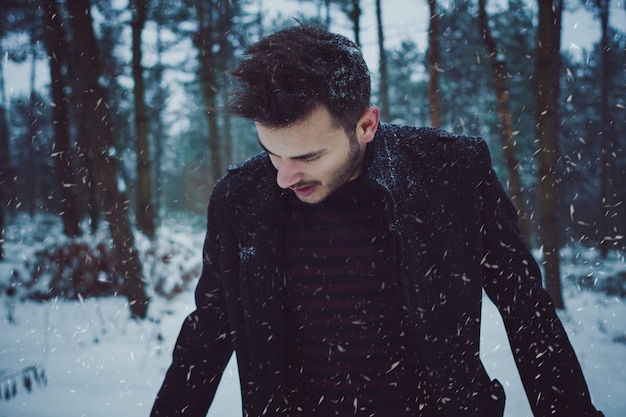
(243, 174)
(254, 163)
(248, 177)
(434, 145)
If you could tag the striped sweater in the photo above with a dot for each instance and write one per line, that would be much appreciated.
(348, 348)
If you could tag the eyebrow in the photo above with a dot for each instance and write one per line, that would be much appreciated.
(302, 157)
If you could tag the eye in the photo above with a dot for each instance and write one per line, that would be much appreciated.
(311, 158)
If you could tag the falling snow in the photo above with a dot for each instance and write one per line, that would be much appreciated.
(97, 362)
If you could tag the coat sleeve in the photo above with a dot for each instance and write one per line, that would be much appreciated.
(550, 372)
(203, 347)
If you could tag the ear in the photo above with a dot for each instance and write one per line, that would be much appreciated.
(367, 125)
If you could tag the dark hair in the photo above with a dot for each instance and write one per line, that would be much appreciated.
(287, 74)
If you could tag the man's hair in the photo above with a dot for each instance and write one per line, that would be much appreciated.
(285, 76)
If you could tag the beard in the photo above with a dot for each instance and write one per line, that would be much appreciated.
(349, 168)
(346, 172)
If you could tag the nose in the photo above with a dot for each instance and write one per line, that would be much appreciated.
(288, 173)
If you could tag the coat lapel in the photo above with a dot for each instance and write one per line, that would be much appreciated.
(259, 233)
(413, 222)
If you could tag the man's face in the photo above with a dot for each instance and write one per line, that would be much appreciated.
(314, 157)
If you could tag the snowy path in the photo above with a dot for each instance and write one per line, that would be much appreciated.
(99, 364)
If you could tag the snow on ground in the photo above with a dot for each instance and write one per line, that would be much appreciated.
(99, 363)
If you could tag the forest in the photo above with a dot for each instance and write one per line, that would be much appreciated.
(128, 130)
(113, 131)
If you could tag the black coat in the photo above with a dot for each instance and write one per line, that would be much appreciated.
(455, 233)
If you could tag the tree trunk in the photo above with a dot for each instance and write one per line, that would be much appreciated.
(145, 216)
(85, 175)
(98, 117)
(356, 21)
(433, 65)
(84, 144)
(3, 176)
(224, 56)
(31, 179)
(5, 163)
(607, 144)
(55, 41)
(158, 106)
(382, 62)
(208, 63)
(505, 121)
(87, 164)
(327, 19)
(547, 70)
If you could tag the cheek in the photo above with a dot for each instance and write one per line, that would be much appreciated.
(327, 169)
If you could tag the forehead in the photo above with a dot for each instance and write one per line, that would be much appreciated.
(317, 131)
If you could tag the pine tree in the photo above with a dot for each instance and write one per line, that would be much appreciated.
(547, 70)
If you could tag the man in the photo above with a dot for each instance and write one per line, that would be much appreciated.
(345, 264)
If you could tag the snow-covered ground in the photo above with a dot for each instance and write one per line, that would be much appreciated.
(97, 362)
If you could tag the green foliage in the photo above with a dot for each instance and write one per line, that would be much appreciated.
(408, 88)
(462, 70)
(30, 147)
(178, 118)
(517, 47)
(580, 145)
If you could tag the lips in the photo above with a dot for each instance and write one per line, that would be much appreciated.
(304, 191)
